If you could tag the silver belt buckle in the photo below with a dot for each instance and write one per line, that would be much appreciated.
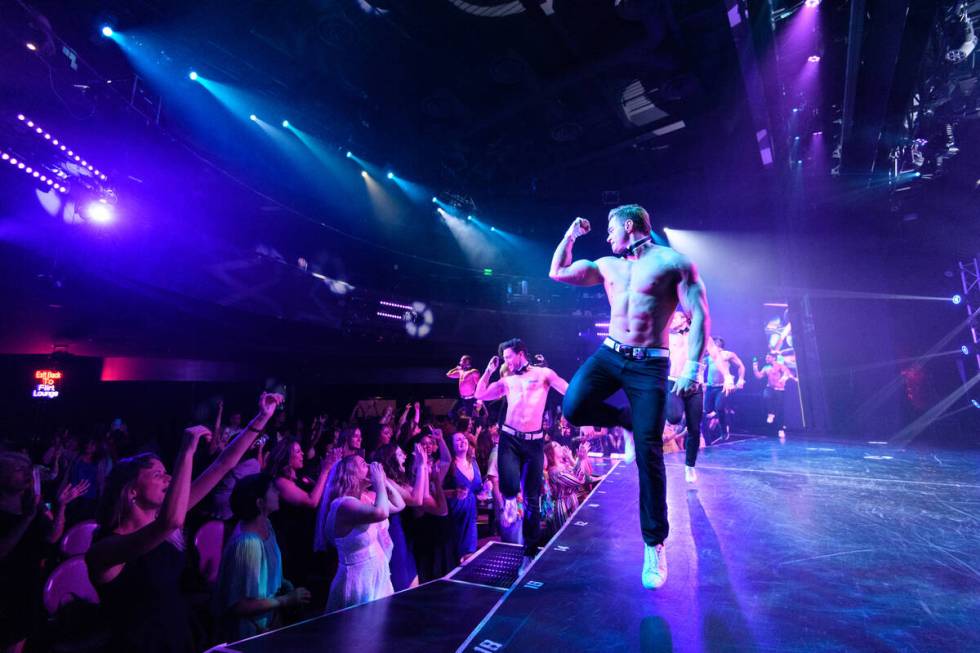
(639, 353)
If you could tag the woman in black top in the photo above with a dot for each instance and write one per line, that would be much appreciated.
(136, 560)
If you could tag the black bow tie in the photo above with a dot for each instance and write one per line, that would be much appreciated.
(631, 250)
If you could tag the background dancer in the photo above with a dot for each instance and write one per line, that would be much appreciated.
(689, 405)
(467, 375)
(717, 405)
(521, 446)
(776, 374)
(644, 283)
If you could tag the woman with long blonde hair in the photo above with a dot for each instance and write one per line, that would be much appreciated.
(353, 516)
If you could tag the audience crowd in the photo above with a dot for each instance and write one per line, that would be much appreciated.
(310, 516)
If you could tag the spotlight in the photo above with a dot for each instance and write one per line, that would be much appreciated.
(813, 58)
(99, 212)
(30, 123)
(435, 200)
(31, 46)
(812, 3)
(350, 155)
(493, 228)
(192, 75)
(20, 117)
(107, 31)
(253, 117)
(469, 217)
(391, 175)
(957, 299)
(364, 174)
(965, 350)
(976, 404)
(285, 123)
(4, 156)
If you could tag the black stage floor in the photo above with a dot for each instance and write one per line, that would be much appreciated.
(796, 546)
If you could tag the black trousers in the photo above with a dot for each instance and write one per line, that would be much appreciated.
(645, 384)
(716, 402)
(517, 459)
(775, 401)
(690, 407)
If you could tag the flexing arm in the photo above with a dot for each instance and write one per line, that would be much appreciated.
(455, 373)
(564, 269)
(758, 373)
(495, 390)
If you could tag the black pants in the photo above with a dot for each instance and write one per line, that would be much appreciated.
(690, 407)
(775, 401)
(716, 402)
(464, 407)
(518, 458)
(645, 384)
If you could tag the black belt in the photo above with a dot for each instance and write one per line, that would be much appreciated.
(636, 353)
(523, 435)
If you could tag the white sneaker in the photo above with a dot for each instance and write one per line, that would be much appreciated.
(782, 434)
(690, 475)
(629, 447)
(654, 566)
(525, 563)
(509, 514)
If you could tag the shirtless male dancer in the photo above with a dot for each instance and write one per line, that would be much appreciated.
(690, 405)
(467, 376)
(644, 283)
(521, 447)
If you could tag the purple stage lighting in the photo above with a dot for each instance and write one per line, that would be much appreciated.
(813, 58)
(812, 3)
(99, 212)
(4, 156)
(957, 299)
(21, 117)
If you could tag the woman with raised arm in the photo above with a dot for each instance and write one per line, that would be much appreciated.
(354, 517)
(298, 498)
(137, 557)
(413, 488)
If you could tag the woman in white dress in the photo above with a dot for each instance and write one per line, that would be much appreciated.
(354, 518)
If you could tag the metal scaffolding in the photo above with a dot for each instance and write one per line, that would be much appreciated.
(970, 276)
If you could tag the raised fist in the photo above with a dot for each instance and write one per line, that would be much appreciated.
(493, 365)
(579, 227)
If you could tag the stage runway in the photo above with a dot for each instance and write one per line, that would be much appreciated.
(795, 546)
(802, 546)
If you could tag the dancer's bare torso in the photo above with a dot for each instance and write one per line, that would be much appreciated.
(527, 395)
(467, 382)
(642, 295)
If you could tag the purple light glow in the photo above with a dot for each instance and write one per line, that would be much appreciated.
(39, 130)
(13, 161)
(36, 173)
(99, 212)
(4, 156)
(813, 58)
(812, 3)
(394, 305)
(20, 117)
(30, 123)
(20, 166)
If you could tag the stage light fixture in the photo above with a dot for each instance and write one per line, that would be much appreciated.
(21, 117)
(31, 46)
(99, 212)
(435, 200)
(192, 75)
(813, 58)
(107, 31)
(812, 3)
(285, 123)
(350, 155)
(965, 350)
(253, 117)
(364, 174)
(957, 299)
(391, 175)
(493, 229)
(30, 123)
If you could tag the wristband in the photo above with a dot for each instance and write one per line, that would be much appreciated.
(692, 370)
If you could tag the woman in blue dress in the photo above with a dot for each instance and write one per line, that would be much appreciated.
(462, 485)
